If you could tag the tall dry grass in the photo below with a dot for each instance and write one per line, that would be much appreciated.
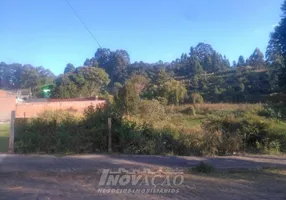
(211, 107)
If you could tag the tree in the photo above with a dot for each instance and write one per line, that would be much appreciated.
(194, 65)
(115, 88)
(210, 60)
(30, 78)
(226, 63)
(115, 63)
(276, 50)
(173, 91)
(91, 81)
(197, 98)
(247, 62)
(91, 62)
(140, 82)
(83, 82)
(202, 51)
(17, 76)
(256, 60)
(234, 64)
(64, 87)
(241, 62)
(128, 99)
(162, 77)
(69, 68)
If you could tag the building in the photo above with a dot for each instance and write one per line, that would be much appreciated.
(24, 94)
(7, 105)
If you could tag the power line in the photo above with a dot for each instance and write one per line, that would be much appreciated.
(77, 15)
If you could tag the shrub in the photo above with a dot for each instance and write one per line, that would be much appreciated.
(151, 110)
(277, 111)
(59, 115)
(190, 110)
(197, 98)
(247, 130)
(267, 147)
(163, 100)
(48, 135)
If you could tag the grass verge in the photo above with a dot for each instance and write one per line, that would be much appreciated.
(4, 137)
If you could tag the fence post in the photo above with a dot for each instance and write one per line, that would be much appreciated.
(109, 136)
(11, 137)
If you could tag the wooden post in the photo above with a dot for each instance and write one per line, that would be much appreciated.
(109, 136)
(11, 137)
(24, 115)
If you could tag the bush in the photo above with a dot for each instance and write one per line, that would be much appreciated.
(49, 135)
(197, 98)
(277, 111)
(151, 110)
(190, 110)
(243, 133)
(163, 100)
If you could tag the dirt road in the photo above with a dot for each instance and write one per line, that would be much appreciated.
(84, 185)
(77, 177)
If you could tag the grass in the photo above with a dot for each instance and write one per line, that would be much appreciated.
(180, 117)
(251, 175)
(280, 127)
(4, 137)
(179, 121)
(211, 107)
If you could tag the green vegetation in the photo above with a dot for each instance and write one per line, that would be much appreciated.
(217, 129)
(82, 82)
(4, 137)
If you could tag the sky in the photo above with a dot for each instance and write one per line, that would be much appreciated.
(47, 33)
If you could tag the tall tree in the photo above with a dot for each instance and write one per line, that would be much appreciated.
(69, 68)
(115, 63)
(210, 60)
(241, 62)
(65, 87)
(173, 91)
(276, 50)
(234, 64)
(83, 82)
(256, 60)
(128, 99)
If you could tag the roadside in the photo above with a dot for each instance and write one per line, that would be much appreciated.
(4, 137)
(17, 163)
(45, 177)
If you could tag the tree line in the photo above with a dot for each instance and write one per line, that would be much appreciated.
(202, 70)
(17, 76)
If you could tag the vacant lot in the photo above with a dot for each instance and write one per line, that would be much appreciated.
(4, 137)
(83, 185)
